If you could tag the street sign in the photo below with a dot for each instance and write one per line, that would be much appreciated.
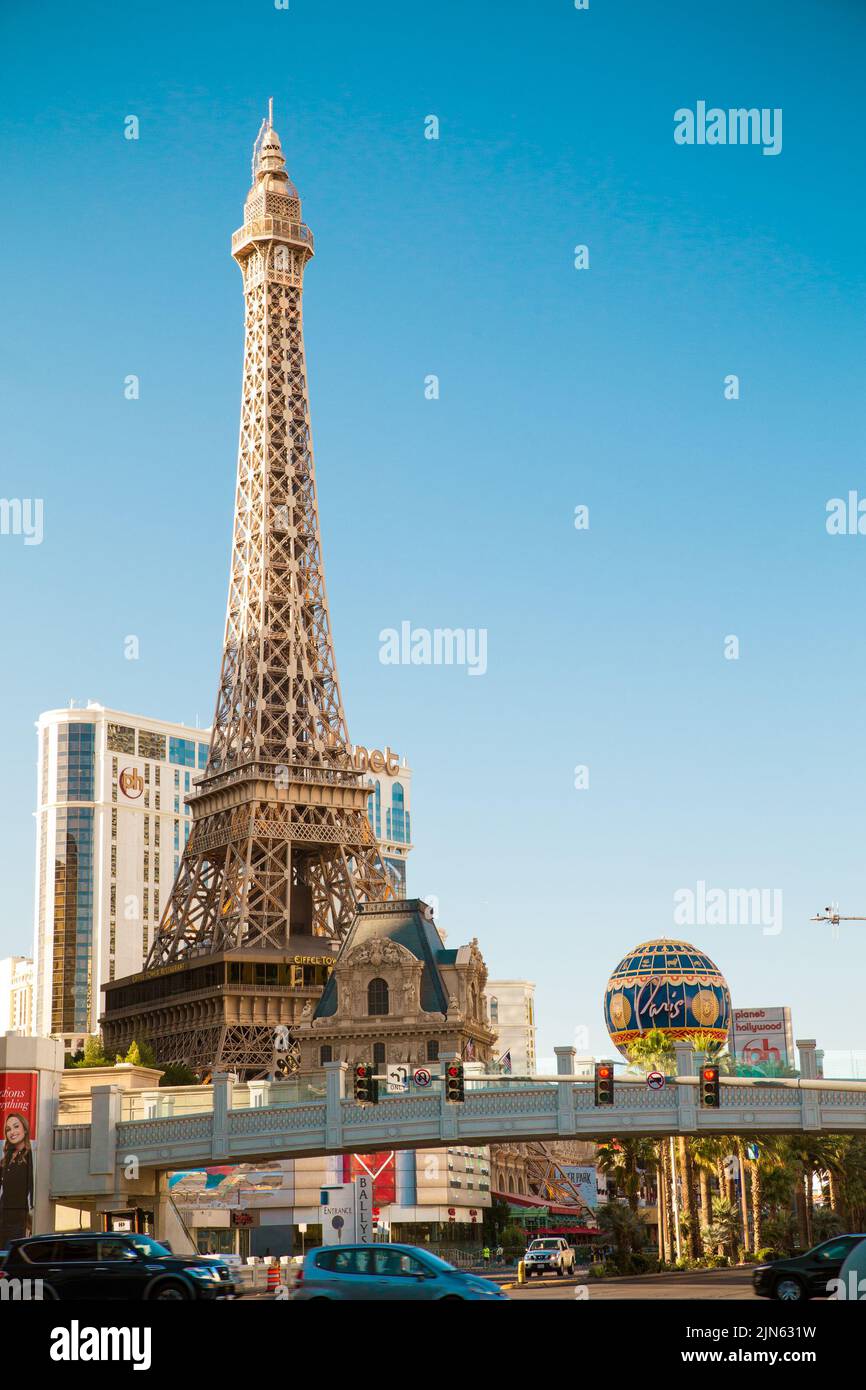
(421, 1076)
(398, 1080)
(753, 1152)
(655, 1081)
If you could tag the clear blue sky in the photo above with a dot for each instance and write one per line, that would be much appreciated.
(558, 387)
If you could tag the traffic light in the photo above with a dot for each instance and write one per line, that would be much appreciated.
(710, 1095)
(454, 1081)
(366, 1086)
(604, 1083)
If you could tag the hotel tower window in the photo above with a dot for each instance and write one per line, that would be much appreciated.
(151, 745)
(398, 813)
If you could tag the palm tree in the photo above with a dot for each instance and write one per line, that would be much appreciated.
(708, 1156)
(621, 1160)
(625, 1230)
(653, 1051)
(724, 1228)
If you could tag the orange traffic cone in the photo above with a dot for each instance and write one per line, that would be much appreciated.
(273, 1275)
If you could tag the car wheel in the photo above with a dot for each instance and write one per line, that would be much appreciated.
(560, 1271)
(789, 1289)
(49, 1295)
(451, 1298)
(170, 1291)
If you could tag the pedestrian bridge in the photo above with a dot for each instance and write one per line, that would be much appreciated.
(254, 1122)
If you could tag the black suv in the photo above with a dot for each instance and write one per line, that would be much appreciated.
(91, 1265)
(804, 1276)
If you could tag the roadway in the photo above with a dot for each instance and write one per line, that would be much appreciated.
(716, 1284)
(693, 1284)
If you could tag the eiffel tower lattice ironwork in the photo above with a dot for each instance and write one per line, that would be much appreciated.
(281, 850)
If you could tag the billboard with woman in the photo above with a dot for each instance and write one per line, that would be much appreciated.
(18, 1094)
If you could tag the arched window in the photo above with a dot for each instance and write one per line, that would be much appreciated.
(377, 997)
(494, 1009)
(398, 817)
(325, 1054)
(378, 1054)
(281, 258)
(432, 1050)
(511, 1182)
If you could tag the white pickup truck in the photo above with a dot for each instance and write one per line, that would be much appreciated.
(548, 1255)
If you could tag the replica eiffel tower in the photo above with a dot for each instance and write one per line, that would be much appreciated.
(281, 850)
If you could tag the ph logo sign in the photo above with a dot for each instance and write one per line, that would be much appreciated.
(131, 783)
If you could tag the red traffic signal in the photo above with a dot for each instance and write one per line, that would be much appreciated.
(454, 1088)
(604, 1083)
(366, 1087)
(710, 1089)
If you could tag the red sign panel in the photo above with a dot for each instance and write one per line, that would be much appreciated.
(18, 1096)
(380, 1167)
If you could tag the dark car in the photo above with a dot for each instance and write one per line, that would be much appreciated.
(804, 1276)
(91, 1265)
(351, 1272)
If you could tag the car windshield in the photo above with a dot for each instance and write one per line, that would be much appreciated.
(147, 1246)
(435, 1260)
(544, 1245)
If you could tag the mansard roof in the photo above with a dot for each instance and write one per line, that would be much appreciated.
(408, 922)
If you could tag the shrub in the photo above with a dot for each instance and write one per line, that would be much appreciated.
(766, 1254)
(176, 1074)
(597, 1270)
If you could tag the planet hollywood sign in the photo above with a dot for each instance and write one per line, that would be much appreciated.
(371, 759)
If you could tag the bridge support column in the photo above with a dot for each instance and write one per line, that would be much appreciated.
(335, 1076)
(807, 1048)
(104, 1116)
(222, 1092)
(566, 1121)
(810, 1109)
(687, 1096)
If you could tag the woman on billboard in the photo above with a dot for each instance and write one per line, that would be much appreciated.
(16, 1179)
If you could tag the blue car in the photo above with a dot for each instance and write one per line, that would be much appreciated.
(385, 1271)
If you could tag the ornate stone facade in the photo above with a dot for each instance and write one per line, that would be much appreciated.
(397, 995)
